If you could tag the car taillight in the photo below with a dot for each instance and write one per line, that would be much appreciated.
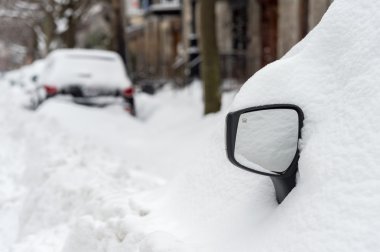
(51, 90)
(128, 92)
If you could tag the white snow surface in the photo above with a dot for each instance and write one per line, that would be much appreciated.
(83, 179)
(76, 178)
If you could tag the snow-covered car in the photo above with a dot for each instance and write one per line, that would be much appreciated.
(30, 74)
(90, 77)
(332, 76)
(26, 76)
(12, 77)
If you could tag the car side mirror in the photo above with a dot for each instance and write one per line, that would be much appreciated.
(264, 140)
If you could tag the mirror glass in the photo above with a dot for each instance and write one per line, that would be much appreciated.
(266, 140)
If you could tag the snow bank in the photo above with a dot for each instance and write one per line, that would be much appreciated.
(72, 185)
(55, 178)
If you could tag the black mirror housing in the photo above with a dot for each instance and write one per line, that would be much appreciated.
(284, 180)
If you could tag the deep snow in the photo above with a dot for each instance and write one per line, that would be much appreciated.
(80, 179)
(69, 172)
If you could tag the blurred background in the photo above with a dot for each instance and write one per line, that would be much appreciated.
(160, 38)
(162, 41)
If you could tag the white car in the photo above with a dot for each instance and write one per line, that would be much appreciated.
(29, 74)
(12, 77)
(87, 76)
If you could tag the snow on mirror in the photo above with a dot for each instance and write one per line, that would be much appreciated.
(266, 140)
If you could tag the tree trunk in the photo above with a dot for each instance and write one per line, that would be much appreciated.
(48, 28)
(118, 32)
(70, 38)
(269, 30)
(304, 18)
(210, 57)
(32, 46)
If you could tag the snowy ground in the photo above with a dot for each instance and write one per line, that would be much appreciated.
(69, 172)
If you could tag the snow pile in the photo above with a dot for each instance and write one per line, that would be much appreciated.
(51, 177)
(77, 169)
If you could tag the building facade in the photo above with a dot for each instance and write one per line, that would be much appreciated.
(250, 34)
